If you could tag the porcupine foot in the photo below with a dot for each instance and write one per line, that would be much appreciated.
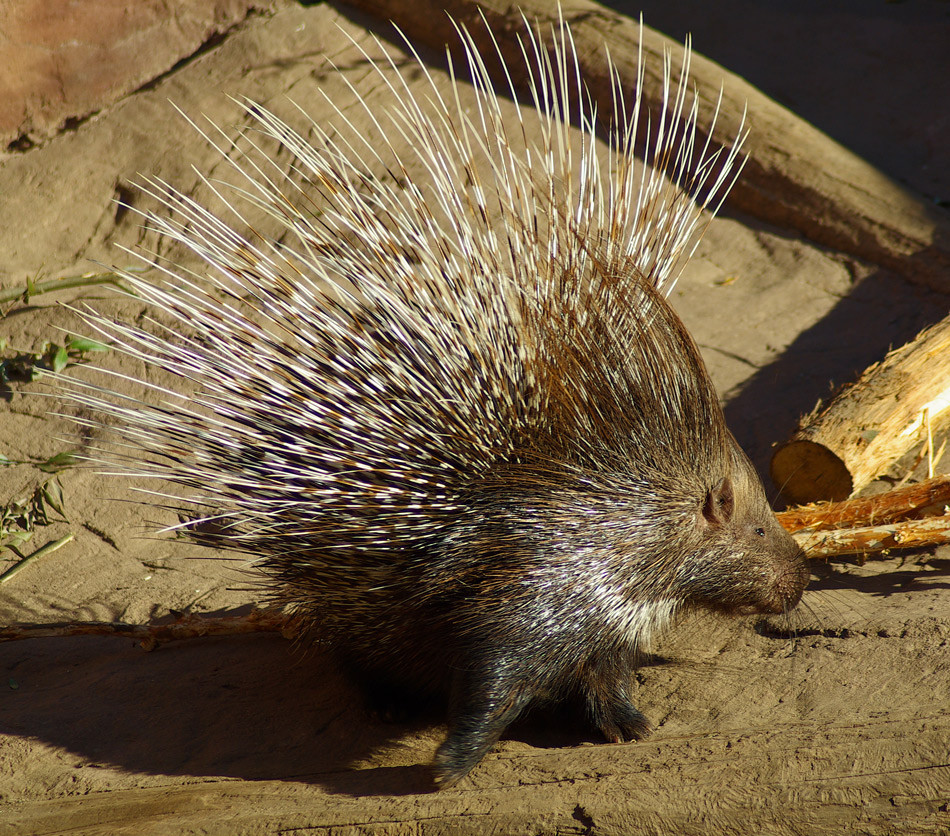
(607, 690)
(385, 699)
(391, 704)
(618, 719)
(484, 703)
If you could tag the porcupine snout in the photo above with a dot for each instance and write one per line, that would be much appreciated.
(782, 563)
(786, 574)
(791, 576)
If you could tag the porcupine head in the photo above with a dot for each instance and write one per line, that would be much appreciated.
(451, 413)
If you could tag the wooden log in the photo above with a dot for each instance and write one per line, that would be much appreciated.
(796, 177)
(894, 406)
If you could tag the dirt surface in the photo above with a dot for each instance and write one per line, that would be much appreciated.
(837, 723)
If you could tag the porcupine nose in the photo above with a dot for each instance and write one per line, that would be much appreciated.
(792, 577)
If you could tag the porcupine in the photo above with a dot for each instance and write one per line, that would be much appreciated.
(453, 416)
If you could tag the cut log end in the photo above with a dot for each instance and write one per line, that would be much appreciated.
(804, 471)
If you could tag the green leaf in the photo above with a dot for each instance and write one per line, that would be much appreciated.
(16, 539)
(53, 496)
(83, 344)
(58, 462)
(59, 358)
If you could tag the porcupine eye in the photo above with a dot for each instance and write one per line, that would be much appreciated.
(760, 532)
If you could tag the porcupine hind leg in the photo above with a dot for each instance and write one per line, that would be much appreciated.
(387, 699)
(606, 684)
(486, 698)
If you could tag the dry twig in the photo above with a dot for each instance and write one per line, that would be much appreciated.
(889, 520)
(149, 635)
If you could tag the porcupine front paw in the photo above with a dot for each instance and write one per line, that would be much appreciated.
(607, 689)
(620, 722)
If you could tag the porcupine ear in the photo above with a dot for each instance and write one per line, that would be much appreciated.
(719, 503)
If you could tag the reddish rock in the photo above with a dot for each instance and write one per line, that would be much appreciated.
(63, 60)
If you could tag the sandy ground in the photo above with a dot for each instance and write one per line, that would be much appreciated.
(838, 725)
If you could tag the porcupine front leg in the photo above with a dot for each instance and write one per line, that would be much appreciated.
(486, 698)
(607, 682)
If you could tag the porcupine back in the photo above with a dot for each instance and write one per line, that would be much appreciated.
(452, 414)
